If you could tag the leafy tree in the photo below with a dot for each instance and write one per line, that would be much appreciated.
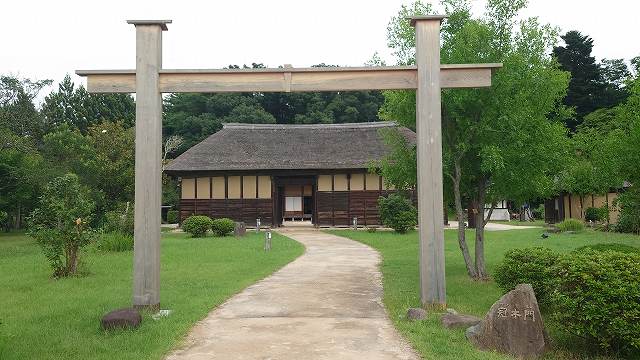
(18, 113)
(615, 74)
(21, 175)
(498, 142)
(75, 107)
(59, 224)
(103, 159)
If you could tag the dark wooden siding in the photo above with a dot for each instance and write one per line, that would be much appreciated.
(247, 210)
(338, 208)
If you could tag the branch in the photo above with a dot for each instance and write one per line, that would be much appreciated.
(493, 206)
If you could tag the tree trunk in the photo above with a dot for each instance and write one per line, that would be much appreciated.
(481, 271)
(462, 242)
(18, 217)
(72, 260)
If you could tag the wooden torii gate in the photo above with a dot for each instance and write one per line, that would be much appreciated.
(149, 80)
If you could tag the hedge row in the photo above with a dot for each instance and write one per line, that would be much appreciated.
(198, 225)
(592, 292)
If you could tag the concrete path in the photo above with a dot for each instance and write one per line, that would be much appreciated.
(327, 304)
(491, 226)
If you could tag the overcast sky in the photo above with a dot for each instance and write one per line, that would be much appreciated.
(47, 39)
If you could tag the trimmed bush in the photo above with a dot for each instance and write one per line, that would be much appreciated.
(613, 246)
(629, 219)
(596, 214)
(173, 216)
(527, 266)
(115, 241)
(223, 226)
(570, 225)
(197, 225)
(597, 297)
(398, 213)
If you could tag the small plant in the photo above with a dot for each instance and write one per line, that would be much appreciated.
(527, 266)
(597, 297)
(60, 223)
(173, 216)
(538, 213)
(223, 226)
(121, 221)
(197, 225)
(372, 229)
(398, 213)
(115, 241)
(570, 225)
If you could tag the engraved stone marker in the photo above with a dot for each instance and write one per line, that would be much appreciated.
(513, 325)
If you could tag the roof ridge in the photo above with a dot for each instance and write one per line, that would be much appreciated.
(373, 124)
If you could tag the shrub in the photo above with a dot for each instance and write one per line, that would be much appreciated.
(538, 213)
(571, 225)
(596, 214)
(115, 241)
(629, 219)
(121, 221)
(398, 213)
(597, 297)
(197, 225)
(59, 223)
(527, 266)
(223, 226)
(613, 246)
(173, 216)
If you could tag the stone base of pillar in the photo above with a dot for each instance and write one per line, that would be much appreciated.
(148, 308)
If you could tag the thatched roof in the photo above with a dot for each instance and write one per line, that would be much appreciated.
(279, 147)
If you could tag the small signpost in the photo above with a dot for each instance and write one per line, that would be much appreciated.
(149, 80)
(258, 225)
(267, 240)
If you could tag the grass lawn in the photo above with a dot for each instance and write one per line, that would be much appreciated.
(429, 338)
(42, 318)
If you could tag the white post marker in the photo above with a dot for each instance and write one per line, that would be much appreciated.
(267, 240)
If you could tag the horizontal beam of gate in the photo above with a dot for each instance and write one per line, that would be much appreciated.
(290, 79)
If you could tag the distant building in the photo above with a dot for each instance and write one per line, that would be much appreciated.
(569, 206)
(286, 172)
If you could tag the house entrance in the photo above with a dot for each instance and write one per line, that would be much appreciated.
(295, 199)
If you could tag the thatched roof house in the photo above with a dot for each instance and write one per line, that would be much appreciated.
(312, 172)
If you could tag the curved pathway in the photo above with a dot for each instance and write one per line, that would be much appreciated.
(327, 304)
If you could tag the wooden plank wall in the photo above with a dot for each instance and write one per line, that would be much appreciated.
(338, 208)
(247, 210)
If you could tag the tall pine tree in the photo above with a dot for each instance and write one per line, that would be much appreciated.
(585, 87)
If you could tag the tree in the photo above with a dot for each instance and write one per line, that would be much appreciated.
(79, 109)
(18, 113)
(21, 175)
(103, 160)
(615, 74)
(498, 142)
(59, 224)
(585, 87)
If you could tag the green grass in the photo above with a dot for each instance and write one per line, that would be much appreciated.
(401, 286)
(42, 318)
